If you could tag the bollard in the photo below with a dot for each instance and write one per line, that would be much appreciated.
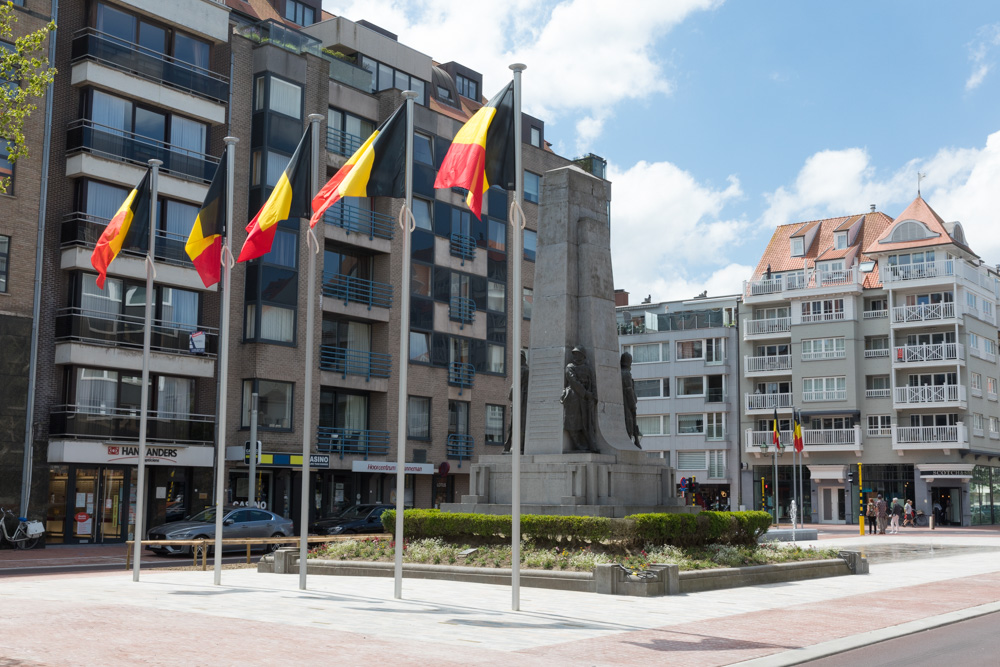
(930, 521)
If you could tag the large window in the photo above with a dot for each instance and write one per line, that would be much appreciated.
(693, 424)
(346, 132)
(532, 187)
(690, 349)
(4, 262)
(113, 115)
(467, 87)
(653, 424)
(494, 424)
(271, 292)
(285, 97)
(823, 311)
(879, 425)
(418, 418)
(423, 149)
(343, 410)
(824, 389)
(100, 391)
(657, 388)
(823, 348)
(530, 244)
(151, 36)
(385, 77)
(690, 386)
(646, 353)
(274, 404)
(298, 12)
(458, 418)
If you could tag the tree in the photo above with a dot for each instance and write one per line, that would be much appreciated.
(24, 76)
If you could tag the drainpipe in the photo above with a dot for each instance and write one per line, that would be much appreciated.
(36, 306)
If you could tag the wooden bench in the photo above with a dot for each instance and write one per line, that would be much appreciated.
(201, 546)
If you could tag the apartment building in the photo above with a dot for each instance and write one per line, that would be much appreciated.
(882, 334)
(686, 373)
(141, 80)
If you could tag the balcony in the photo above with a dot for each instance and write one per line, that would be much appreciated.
(463, 246)
(874, 314)
(818, 396)
(779, 287)
(930, 437)
(822, 355)
(91, 44)
(460, 447)
(767, 365)
(350, 74)
(358, 220)
(462, 309)
(84, 230)
(929, 354)
(876, 352)
(357, 290)
(76, 324)
(122, 424)
(351, 441)
(767, 402)
(813, 440)
(775, 326)
(930, 395)
(342, 143)
(878, 393)
(926, 312)
(354, 362)
(89, 137)
(926, 271)
(832, 316)
(461, 375)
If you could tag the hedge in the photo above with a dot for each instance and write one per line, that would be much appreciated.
(682, 530)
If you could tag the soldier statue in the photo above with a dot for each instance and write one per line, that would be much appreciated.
(579, 401)
(629, 399)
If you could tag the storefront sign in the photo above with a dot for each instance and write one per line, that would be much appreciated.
(390, 468)
(289, 460)
(96, 452)
(961, 474)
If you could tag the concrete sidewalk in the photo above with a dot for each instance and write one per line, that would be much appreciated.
(179, 616)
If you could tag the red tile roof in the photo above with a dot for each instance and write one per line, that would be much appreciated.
(920, 211)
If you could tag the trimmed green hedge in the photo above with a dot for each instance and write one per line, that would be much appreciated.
(682, 530)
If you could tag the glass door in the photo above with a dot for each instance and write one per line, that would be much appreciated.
(111, 507)
(83, 504)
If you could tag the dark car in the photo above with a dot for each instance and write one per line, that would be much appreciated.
(236, 522)
(357, 519)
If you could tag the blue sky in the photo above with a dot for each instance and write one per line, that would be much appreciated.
(720, 120)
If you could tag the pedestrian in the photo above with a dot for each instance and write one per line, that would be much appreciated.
(881, 511)
(871, 516)
(908, 514)
(896, 513)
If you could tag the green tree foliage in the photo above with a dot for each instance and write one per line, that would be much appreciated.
(24, 76)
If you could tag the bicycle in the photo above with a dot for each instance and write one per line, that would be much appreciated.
(919, 519)
(27, 533)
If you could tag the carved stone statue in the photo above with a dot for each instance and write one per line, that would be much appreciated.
(524, 406)
(629, 399)
(579, 400)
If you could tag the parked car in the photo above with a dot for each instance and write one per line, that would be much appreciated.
(236, 522)
(357, 519)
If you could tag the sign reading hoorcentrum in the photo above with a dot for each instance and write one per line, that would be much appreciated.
(390, 468)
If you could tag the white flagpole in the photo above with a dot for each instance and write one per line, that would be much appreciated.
(222, 367)
(406, 222)
(311, 297)
(147, 333)
(517, 222)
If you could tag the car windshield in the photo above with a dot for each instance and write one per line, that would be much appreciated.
(356, 512)
(204, 516)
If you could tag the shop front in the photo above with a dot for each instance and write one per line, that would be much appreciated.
(93, 487)
(943, 492)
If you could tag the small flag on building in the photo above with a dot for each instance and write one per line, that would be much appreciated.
(131, 221)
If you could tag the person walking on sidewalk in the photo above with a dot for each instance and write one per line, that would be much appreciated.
(897, 512)
(908, 514)
(871, 516)
(881, 512)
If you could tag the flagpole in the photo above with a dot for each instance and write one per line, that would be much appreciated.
(312, 246)
(404, 349)
(795, 493)
(774, 493)
(517, 223)
(802, 490)
(147, 334)
(222, 368)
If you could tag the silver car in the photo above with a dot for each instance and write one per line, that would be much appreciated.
(236, 522)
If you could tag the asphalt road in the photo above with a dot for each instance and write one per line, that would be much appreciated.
(968, 643)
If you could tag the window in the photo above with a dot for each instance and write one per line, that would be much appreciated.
(423, 218)
(285, 98)
(495, 296)
(274, 404)
(823, 348)
(495, 358)
(717, 464)
(494, 424)
(645, 354)
(271, 292)
(422, 149)
(385, 77)
(978, 423)
(798, 247)
(117, 117)
(656, 388)
(970, 300)
(467, 87)
(125, 27)
(458, 418)
(527, 301)
(715, 426)
(4, 262)
(840, 239)
(994, 427)
(297, 12)
(530, 244)
(973, 341)
(690, 424)
(991, 388)
(418, 418)
(690, 386)
(824, 389)
(690, 349)
(6, 167)
(420, 347)
(498, 236)
(879, 425)
(653, 424)
(532, 187)
(536, 136)
(990, 346)
(823, 311)
(909, 230)
(691, 460)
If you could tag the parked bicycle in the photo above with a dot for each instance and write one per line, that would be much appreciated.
(27, 533)
(920, 519)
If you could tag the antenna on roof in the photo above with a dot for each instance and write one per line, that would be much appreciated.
(920, 177)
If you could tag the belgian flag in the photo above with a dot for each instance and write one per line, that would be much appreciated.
(797, 433)
(482, 153)
(290, 198)
(775, 434)
(130, 222)
(377, 169)
(204, 245)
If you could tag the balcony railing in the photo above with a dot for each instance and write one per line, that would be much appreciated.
(360, 221)
(352, 441)
(767, 326)
(358, 290)
(833, 316)
(765, 439)
(85, 230)
(342, 143)
(928, 434)
(811, 279)
(91, 44)
(350, 74)
(945, 393)
(463, 246)
(461, 375)
(768, 401)
(919, 271)
(875, 314)
(833, 395)
(930, 352)
(813, 439)
(460, 447)
(98, 423)
(876, 352)
(88, 136)
(76, 324)
(983, 354)
(462, 309)
(878, 393)
(824, 354)
(925, 312)
(832, 436)
(779, 362)
(879, 431)
(354, 362)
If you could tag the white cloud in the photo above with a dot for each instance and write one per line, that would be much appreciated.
(982, 53)
(667, 237)
(584, 57)
(977, 77)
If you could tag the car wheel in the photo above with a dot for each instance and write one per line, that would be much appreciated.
(190, 549)
(271, 548)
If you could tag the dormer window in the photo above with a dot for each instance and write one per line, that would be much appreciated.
(798, 247)
(910, 230)
(840, 240)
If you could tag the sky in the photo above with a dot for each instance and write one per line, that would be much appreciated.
(721, 119)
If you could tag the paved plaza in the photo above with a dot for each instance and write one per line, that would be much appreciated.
(917, 580)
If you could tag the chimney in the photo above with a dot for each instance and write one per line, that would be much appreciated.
(873, 208)
(621, 297)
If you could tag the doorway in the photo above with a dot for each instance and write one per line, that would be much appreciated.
(947, 505)
(831, 508)
(100, 511)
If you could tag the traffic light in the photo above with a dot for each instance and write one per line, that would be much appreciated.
(850, 476)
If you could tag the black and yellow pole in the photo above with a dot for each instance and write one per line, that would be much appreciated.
(763, 494)
(861, 502)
